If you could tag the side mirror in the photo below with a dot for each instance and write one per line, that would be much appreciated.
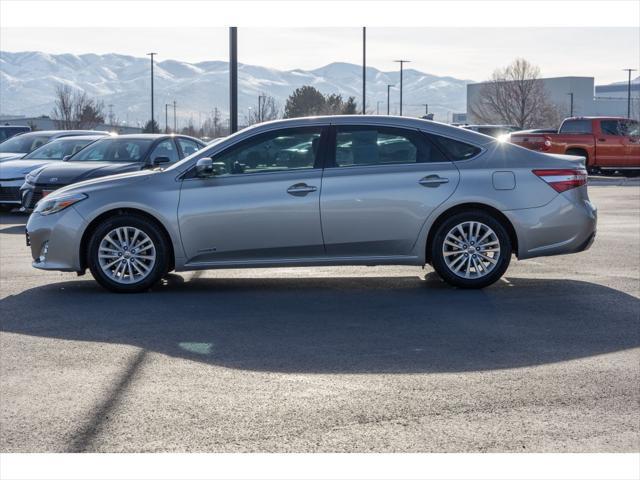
(204, 167)
(66, 158)
(160, 160)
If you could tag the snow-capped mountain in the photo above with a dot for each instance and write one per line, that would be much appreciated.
(28, 81)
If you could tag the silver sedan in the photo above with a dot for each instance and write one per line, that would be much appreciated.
(347, 190)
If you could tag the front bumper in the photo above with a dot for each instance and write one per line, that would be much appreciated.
(55, 240)
(565, 225)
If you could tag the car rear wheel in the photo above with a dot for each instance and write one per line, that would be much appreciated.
(127, 253)
(471, 250)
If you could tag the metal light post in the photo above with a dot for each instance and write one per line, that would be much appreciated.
(378, 106)
(233, 79)
(152, 112)
(571, 108)
(175, 123)
(388, 104)
(166, 117)
(262, 100)
(629, 70)
(426, 109)
(401, 62)
(364, 69)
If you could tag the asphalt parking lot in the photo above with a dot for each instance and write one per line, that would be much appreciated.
(385, 359)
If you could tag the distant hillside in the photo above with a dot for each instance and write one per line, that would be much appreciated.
(28, 81)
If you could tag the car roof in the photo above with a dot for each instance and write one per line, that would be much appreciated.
(428, 126)
(154, 136)
(75, 137)
(66, 133)
(597, 117)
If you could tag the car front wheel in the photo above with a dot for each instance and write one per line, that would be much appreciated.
(127, 253)
(471, 250)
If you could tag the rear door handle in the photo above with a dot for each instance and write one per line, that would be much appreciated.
(432, 181)
(301, 189)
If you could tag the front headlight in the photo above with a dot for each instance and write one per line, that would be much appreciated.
(47, 206)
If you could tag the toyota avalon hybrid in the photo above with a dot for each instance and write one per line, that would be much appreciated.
(345, 190)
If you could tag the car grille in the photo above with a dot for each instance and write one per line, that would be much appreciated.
(36, 196)
(9, 194)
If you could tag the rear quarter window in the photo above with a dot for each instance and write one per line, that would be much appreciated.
(454, 149)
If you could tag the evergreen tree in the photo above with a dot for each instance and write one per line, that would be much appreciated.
(151, 127)
(303, 102)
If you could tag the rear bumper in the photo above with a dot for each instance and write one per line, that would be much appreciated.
(565, 225)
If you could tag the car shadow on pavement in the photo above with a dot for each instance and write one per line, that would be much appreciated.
(340, 325)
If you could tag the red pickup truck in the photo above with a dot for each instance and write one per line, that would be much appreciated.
(606, 143)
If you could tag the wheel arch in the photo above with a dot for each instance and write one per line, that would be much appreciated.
(91, 227)
(497, 214)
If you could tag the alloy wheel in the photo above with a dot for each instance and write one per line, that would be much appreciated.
(471, 249)
(126, 255)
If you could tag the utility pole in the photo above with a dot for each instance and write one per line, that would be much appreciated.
(233, 79)
(401, 62)
(262, 100)
(364, 69)
(571, 104)
(166, 117)
(152, 112)
(388, 104)
(175, 123)
(629, 70)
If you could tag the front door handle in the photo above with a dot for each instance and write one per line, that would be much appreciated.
(432, 181)
(301, 189)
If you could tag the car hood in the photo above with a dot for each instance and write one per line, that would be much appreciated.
(71, 172)
(6, 156)
(19, 168)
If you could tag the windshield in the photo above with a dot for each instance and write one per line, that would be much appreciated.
(58, 149)
(115, 150)
(23, 143)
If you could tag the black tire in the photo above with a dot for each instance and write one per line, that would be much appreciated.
(437, 256)
(151, 229)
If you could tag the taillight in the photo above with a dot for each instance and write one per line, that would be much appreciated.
(533, 143)
(562, 180)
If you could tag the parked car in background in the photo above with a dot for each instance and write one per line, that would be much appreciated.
(107, 156)
(606, 143)
(495, 131)
(20, 145)
(8, 131)
(357, 190)
(13, 172)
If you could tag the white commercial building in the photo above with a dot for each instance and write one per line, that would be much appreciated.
(587, 98)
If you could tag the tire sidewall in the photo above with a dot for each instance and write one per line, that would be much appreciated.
(150, 229)
(440, 266)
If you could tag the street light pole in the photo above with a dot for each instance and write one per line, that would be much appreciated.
(401, 62)
(166, 117)
(378, 106)
(388, 104)
(233, 79)
(262, 100)
(571, 108)
(152, 112)
(629, 70)
(175, 123)
(364, 69)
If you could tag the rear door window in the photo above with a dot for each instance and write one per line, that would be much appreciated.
(373, 145)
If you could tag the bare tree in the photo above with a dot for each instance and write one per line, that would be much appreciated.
(75, 110)
(515, 95)
(270, 110)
